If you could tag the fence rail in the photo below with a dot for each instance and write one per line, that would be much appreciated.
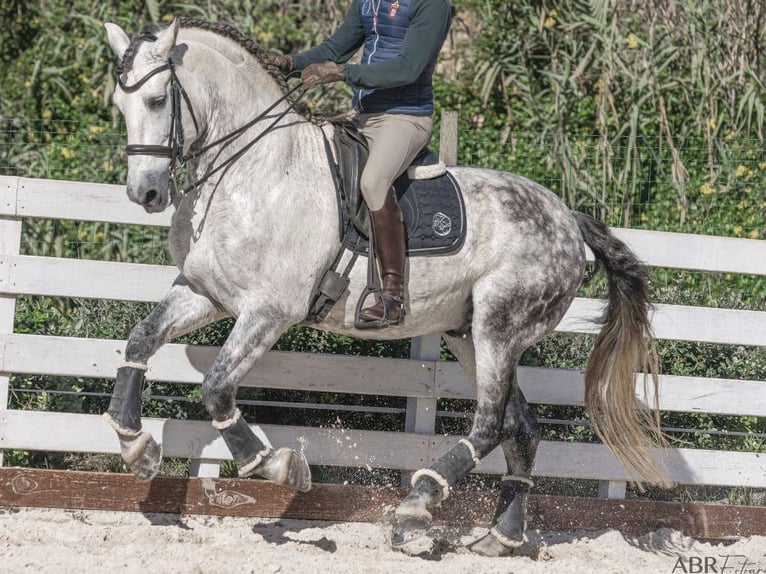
(422, 379)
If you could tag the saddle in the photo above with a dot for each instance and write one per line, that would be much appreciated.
(429, 198)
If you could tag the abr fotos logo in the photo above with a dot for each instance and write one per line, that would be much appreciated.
(721, 564)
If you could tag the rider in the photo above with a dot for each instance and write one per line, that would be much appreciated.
(394, 104)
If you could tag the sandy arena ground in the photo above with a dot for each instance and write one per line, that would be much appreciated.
(63, 542)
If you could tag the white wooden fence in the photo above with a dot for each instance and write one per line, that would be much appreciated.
(422, 379)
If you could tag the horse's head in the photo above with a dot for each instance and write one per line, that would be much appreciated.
(144, 95)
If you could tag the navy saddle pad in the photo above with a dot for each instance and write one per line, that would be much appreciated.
(434, 216)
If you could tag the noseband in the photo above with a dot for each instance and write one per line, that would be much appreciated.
(175, 148)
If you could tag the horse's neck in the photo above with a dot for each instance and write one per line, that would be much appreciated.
(228, 89)
(287, 169)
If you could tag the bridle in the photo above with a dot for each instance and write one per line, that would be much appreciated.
(175, 148)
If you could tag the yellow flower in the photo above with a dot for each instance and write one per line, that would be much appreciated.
(96, 129)
(707, 189)
(632, 41)
(265, 37)
(550, 20)
(167, 18)
(47, 114)
(737, 230)
(712, 123)
(754, 234)
(67, 153)
(762, 165)
(744, 172)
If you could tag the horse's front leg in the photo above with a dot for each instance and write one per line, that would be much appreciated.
(182, 310)
(253, 334)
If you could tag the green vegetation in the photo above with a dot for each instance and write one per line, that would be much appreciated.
(646, 114)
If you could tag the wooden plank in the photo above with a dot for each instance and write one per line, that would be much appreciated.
(99, 358)
(680, 323)
(567, 387)
(80, 201)
(420, 416)
(9, 186)
(352, 503)
(59, 199)
(374, 449)
(10, 242)
(448, 137)
(32, 275)
(137, 282)
(198, 439)
(696, 252)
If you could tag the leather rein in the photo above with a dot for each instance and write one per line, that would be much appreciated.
(175, 148)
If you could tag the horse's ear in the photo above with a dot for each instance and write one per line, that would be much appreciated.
(118, 39)
(166, 41)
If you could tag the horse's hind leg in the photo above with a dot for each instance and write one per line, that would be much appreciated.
(520, 440)
(180, 311)
(493, 363)
(253, 334)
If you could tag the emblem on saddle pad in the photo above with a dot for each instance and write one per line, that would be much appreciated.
(442, 224)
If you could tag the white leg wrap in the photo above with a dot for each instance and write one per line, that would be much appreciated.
(512, 478)
(134, 450)
(132, 365)
(122, 431)
(250, 467)
(221, 425)
(467, 443)
(440, 480)
(508, 542)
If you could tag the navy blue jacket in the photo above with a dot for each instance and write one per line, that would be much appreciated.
(402, 40)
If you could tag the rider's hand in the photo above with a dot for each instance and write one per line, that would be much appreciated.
(324, 73)
(284, 63)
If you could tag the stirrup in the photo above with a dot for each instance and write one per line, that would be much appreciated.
(368, 324)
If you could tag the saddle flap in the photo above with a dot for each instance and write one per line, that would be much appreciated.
(352, 151)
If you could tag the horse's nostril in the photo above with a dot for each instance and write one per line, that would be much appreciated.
(150, 196)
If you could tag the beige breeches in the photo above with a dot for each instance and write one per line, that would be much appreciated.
(394, 141)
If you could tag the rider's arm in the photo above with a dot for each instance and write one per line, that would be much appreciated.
(429, 22)
(339, 47)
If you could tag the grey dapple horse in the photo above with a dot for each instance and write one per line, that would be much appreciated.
(258, 226)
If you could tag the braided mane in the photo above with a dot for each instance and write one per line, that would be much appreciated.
(149, 34)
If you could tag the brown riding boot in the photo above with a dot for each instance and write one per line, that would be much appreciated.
(389, 244)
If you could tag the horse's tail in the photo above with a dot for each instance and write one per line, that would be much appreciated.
(624, 346)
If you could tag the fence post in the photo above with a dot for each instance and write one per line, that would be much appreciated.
(420, 416)
(204, 468)
(10, 244)
(612, 489)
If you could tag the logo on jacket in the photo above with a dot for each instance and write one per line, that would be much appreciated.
(394, 10)
(367, 8)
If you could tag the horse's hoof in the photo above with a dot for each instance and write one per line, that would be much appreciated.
(410, 525)
(490, 546)
(143, 457)
(287, 467)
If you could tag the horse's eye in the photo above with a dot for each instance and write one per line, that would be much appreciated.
(157, 102)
